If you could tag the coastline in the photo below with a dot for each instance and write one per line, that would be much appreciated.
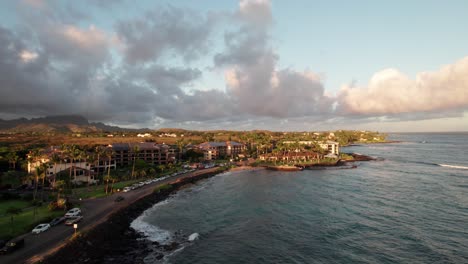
(114, 241)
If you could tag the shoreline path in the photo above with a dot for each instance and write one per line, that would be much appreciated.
(95, 212)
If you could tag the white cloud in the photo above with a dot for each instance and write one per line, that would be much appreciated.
(391, 92)
(85, 38)
(28, 56)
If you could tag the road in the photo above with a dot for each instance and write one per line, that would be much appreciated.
(95, 211)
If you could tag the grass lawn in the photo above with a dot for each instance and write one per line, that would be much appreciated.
(100, 191)
(4, 205)
(25, 221)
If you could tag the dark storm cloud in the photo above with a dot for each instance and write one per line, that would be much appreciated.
(65, 68)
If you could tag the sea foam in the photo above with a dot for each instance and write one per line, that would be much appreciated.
(454, 166)
(150, 231)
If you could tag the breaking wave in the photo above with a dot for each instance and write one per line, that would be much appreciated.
(453, 166)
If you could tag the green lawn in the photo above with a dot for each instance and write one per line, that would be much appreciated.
(4, 205)
(25, 221)
(99, 191)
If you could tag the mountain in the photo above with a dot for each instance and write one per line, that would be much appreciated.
(60, 123)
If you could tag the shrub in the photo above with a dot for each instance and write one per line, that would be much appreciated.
(27, 196)
(60, 204)
(36, 203)
(163, 187)
(10, 196)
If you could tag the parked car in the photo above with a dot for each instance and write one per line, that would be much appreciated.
(40, 228)
(127, 189)
(73, 212)
(73, 220)
(57, 221)
(12, 245)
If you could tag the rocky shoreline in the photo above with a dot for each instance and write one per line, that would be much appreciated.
(114, 241)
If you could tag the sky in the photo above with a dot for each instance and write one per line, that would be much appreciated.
(391, 66)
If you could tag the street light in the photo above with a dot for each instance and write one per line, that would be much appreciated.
(75, 226)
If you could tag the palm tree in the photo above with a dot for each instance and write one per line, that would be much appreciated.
(107, 179)
(136, 149)
(43, 176)
(151, 171)
(180, 145)
(12, 211)
(36, 181)
(142, 173)
(108, 154)
(12, 159)
(33, 157)
(55, 159)
(98, 150)
(59, 185)
(68, 150)
(91, 159)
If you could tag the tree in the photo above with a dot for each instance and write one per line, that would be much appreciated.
(12, 159)
(151, 171)
(33, 157)
(91, 159)
(108, 154)
(43, 176)
(59, 185)
(135, 149)
(55, 159)
(98, 150)
(180, 145)
(12, 211)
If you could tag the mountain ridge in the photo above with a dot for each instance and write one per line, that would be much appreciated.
(60, 123)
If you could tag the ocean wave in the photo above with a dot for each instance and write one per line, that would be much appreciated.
(453, 166)
(151, 232)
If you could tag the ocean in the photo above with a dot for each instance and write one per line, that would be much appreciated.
(411, 206)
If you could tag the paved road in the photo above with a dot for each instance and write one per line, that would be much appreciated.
(95, 211)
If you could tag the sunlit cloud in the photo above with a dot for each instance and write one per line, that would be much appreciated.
(391, 92)
(28, 56)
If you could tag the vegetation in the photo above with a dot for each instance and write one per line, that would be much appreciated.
(27, 209)
(163, 187)
(24, 221)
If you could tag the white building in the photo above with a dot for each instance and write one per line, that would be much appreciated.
(332, 147)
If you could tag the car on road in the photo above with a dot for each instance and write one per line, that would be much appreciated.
(40, 228)
(73, 212)
(73, 220)
(12, 245)
(119, 199)
(57, 220)
(127, 189)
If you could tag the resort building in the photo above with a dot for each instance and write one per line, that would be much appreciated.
(217, 150)
(332, 147)
(58, 161)
(151, 153)
(287, 156)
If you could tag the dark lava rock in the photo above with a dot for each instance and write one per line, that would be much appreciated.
(171, 247)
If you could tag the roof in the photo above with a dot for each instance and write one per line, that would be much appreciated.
(213, 144)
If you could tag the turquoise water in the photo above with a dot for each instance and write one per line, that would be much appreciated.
(404, 209)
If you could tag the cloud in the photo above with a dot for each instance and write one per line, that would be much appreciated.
(27, 56)
(165, 31)
(151, 69)
(391, 92)
(252, 77)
